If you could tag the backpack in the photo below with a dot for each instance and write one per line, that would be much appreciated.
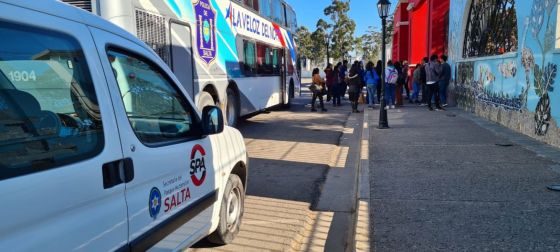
(393, 76)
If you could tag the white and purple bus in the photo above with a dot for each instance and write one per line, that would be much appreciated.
(237, 54)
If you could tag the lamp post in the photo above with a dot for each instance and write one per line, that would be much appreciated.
(383, 9)
(327, 41)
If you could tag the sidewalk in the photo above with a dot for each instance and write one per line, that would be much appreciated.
(448, 181)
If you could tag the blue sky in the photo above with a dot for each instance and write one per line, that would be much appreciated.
(363, 12)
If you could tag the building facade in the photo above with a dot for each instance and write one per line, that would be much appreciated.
(420, 29)
(505, 57)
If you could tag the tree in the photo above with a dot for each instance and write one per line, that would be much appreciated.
(342, 35)
(319, 47)
(369, 44)
(304, 42)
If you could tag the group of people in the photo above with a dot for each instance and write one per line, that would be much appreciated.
(430, 80)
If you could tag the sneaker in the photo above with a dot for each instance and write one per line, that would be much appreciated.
(313, 110)
(423, 104)
(444, 105)
(430, 108)
(324, 110)
(440, 108)
(392, 106)
(386, 107)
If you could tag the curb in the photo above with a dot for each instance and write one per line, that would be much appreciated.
(361, 223)
(340, 193)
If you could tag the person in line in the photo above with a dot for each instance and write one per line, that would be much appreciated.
(405, 72)
(391, 77)
(318, 90)
(433, 73)
(343, 75)
(354, 84)
(400, 83)
(371, 79)
(423, 82)
(416, 86)
(444, 80)
(329, 80)
(337, 85)
(378, 69)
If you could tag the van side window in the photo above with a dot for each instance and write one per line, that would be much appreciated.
(49, 115)
(156, 110)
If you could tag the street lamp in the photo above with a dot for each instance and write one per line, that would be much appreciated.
(383, 9)
(327, 41)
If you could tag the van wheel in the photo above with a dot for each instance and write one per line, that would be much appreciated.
(205, 99)
(231, 212)
(232, 108)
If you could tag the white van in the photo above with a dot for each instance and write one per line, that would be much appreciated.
(100, 147)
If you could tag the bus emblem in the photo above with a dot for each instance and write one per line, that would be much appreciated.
(205, 30)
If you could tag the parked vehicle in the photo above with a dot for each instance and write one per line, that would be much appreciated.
(101, 148)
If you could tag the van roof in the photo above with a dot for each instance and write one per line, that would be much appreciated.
(67, 11)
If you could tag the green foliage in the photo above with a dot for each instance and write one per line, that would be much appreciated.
(304, 42)
(319, 47)
(343, 28)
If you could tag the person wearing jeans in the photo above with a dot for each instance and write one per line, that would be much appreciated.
(391, 76)
(433, 73)
(371, 78)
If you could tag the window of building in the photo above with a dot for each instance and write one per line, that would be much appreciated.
(491, 28)
(156, 110)
(49, 114)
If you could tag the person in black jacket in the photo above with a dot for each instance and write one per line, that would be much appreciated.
(423, 82)
(354, 85)
(444, 80)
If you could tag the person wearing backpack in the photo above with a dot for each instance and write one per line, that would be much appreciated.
(433, 73)
(390, 85)
(371, 78)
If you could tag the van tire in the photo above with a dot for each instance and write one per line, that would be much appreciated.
(232, 108)
(231, 212)
(205, 99)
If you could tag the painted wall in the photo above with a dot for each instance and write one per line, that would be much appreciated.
(516, 89)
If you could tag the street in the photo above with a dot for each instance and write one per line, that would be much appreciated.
(291, 152)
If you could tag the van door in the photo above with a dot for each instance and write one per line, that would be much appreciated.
(60, 156)
(174, 178)
(181, 56)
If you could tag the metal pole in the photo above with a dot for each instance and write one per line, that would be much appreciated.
(383, 121)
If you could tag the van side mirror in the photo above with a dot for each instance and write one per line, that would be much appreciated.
(212, 120)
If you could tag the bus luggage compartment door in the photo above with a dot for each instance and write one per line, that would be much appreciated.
(182, 56)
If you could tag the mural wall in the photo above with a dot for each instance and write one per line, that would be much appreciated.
(505, 62)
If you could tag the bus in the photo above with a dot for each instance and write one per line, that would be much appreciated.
(237, 54)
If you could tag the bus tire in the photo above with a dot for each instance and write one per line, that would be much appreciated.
(205, 99)
(231, 212)
(232, 108)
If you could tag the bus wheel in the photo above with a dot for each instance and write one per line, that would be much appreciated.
(205, 99)
(232, 108)
(231, 212)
